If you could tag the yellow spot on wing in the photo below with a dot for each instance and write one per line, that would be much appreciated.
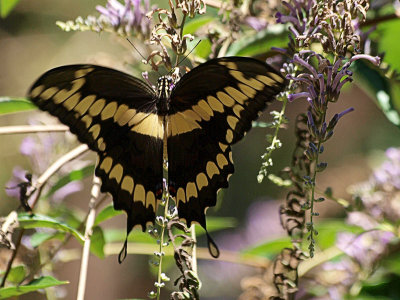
(72, 101)
(201, 112)
(127, 184)
(266, 80)
(232, 121)
(250, 92)
(229, 136)
(230, 157)
(101, 144)
(211, 169)
(191, 191)
(180, 196)
(116, 172)
(152, 125)
(276, 77)
(221, 161)
(109, 110)
(250, 82)
(84, 104)
(237, 109)
(190, 114)
(83, 72)
(151, 200)
(106, 164)
(203, 105)
(179, 124)
(126, 117)
(87, 120)
(215, 104)
(137, 118)
(223, 146)
(140, 194)
(95, 130)
(225, 99)
(36, 91)
(47, 94)
(230, 65)
(120, 111)
(237, 95)
(97, 107)
(64, 94)
(201, 180)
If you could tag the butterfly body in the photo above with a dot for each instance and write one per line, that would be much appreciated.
(133, 128)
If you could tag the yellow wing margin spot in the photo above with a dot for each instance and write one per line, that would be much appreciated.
(128, 184)
(117, 172)
(201, 180)
(211, 169)
(140, 194)
(106, 164)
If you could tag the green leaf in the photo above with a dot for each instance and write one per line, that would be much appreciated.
(259, 43)
(34, 285)
(107, 213)
(194, 24)
(269, 249)
(328, 230)
(6, 6)
(385, 33)
(12, 105)
(386, 92)
(33, 221)
(16, 275)
(119, 235)
(97, 242)
(215, 224)
(40, 237)
(73, 176)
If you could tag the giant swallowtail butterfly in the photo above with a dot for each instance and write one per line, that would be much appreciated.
(133, 128)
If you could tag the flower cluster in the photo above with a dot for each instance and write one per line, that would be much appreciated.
(318, 77)
(125, 20)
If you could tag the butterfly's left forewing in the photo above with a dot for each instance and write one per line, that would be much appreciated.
(212, 107)
(115, 115)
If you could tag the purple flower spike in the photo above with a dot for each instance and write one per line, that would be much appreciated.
(292, 97)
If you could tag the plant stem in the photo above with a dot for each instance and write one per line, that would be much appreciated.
(88, 232)
(163, 226)
(194, 250)
(32, 129)
(14, 254)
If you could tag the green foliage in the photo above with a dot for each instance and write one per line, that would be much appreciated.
(16, 275)
(6, 6)
(12, 105)
(36, 284)
(34, 221)
(75, 175)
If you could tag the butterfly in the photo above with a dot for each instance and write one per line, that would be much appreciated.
(134, 129)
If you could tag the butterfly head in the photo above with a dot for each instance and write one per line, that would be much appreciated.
(164, 86)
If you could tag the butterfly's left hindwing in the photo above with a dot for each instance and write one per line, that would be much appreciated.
(115, 115)
(212, 107)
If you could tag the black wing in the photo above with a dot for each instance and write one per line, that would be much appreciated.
(114, 114)
(212, 107)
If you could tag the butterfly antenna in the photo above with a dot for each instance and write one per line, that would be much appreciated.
(188, 53)
(136, 49)
(138, 52)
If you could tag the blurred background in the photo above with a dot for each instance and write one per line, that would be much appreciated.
(31, 43)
